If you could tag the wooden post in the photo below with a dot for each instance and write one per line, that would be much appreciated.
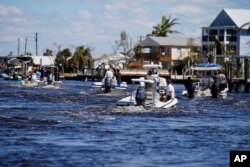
(246, 75)
(238, 67)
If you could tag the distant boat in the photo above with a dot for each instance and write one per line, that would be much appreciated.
(203, 87)
(49, 81)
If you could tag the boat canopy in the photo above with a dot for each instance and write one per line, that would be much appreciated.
(206, 67)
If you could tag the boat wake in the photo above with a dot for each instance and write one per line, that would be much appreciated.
(141, 110)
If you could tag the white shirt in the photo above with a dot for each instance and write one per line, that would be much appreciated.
(170, 90)
(109, 73)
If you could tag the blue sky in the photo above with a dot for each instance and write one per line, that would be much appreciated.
(98, 23)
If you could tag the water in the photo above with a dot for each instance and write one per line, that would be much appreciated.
(72, 126)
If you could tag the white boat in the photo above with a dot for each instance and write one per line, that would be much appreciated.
(203, 87)
(41, 84)
(11, 77)
(155, 101)
(48, 79)
(99, 87)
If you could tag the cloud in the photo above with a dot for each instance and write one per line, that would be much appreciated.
(8, 11)
(84, 14)
(186, 10)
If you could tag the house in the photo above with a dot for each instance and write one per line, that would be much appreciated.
(166, 51)
(227, 29)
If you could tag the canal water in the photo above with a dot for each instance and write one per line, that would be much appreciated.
(71, 126)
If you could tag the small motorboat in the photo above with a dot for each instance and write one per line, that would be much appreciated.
(41, 84)
(204, 86)
(107, 86)
(13, 77)
(138, 96)
(50, 78)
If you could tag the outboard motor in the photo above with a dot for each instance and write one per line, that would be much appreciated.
(190, 90)
(140, 96)
(107, 84)
(214, 90)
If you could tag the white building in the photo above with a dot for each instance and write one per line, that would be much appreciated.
(227, 28)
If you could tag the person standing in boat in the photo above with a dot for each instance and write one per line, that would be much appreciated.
(107, 81)
(222, 81)
(189, 87)
(109, 73)
(118, 77)
(42, 73)
(170, 90)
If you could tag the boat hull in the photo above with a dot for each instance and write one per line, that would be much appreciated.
(41, 84)
(130, 101)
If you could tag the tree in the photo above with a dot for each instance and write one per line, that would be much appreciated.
(163, 29)
(83, 57)
(48, 52)
(61, 58)
(195, 53)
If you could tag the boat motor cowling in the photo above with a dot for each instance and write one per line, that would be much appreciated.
(140, 96)
(108, 84)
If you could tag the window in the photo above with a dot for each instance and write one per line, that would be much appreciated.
(213, 32)
(221, 32)
(234, 38)
(221, 38)
(205, 32)
(167, 51)
(231, 32)
(204, 38)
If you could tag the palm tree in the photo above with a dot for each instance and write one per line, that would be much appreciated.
(61, 58)
(195, 54)
(163, 29)
(84, 58)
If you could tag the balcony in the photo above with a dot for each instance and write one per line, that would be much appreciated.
(153, 57)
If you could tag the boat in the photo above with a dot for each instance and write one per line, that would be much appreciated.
(50, 80)
(41, 84)
(99, 87)
(14, 77)
(135, 100)
(204, 86)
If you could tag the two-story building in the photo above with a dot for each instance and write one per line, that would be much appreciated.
(166, 51)
(227, 29)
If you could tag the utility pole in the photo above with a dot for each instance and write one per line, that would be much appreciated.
(25, 46)
(18, 47)
(36, 43)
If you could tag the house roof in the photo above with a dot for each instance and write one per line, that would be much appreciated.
(164, 41)
(43, 60)
(238, 16)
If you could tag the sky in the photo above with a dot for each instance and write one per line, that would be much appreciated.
(97, 24)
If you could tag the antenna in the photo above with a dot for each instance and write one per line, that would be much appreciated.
(36, 39)
(25, 46)
(18, 47)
